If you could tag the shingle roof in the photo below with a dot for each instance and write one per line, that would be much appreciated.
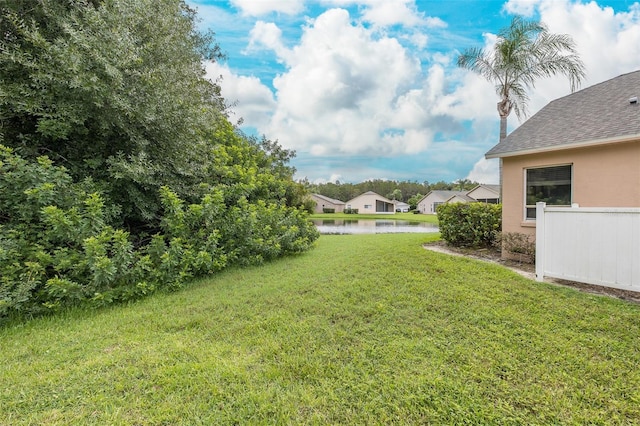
(329, 200)
(600, 113)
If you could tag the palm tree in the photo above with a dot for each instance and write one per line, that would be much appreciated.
(524, 52)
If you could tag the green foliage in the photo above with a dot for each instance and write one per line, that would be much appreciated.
(121, 173)
(59, 246)
(115, 92)
(470, 224)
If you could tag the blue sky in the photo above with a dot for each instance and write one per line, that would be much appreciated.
(369, 89)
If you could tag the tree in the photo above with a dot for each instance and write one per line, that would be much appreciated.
(114, 90)
(524, 52)
(395, 195)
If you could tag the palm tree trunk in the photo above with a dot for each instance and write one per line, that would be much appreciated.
(503, 127)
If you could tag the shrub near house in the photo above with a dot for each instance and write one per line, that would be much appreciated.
(470, 224)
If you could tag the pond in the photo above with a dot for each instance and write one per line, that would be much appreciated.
(372, 226)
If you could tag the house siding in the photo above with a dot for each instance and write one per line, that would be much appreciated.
(325, 202)
(603, 176)
(371, 203)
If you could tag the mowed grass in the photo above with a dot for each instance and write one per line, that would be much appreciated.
(364, 329)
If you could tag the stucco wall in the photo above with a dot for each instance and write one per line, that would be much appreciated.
(603, 176)
(365, 199)
(322, 203)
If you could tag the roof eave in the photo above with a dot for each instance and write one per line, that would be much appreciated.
(596, 142)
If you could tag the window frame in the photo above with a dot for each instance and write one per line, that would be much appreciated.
(526, 206)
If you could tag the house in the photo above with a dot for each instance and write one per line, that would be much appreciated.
(460, 198)
(323, 203)
(489, 194)
(583, 148)
(370, 202)
(430, 202)
(402, 207)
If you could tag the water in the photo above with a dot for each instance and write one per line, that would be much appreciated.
(371, 226)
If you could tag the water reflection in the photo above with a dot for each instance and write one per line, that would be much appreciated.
(371, 226)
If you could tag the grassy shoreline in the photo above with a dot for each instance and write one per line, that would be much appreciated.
(428, 218)
(363, 329)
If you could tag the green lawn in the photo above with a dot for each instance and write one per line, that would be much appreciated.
(429, 218)
(364, 329)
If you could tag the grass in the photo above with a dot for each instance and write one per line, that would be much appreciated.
(429, 218)
(364, 329)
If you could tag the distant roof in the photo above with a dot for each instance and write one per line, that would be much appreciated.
(443, 194)
(385, 199)
(327, 199)
(463, 197)
(490, 187)
(599, 114)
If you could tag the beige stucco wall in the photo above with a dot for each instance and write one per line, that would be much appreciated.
(363, 200)
(426, 204)
(603, 176)
(321, 203)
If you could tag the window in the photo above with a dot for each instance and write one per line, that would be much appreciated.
(434, 207)
(549, 184)
(367, 206)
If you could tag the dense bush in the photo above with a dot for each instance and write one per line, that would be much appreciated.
(328, 210)
(60, 245)
(121, 172)
(469, 224)
(350, 211)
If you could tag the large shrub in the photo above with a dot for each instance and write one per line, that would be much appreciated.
(123, 173)
(60, 244)
(469, 224)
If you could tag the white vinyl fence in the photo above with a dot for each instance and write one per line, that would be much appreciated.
(591, 245)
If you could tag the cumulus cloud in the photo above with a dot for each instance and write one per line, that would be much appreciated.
(485, 171)
(349, 90)
(384, 13)
(263, 7)
(252, 101)
(341, 90)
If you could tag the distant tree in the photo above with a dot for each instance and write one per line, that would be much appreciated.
(414, 200)
(524, 52)
(395, 195)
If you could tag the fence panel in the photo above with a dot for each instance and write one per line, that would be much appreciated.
(591, 245)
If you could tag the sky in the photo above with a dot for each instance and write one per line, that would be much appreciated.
(369, 89)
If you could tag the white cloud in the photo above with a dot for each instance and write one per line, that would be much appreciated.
(345, 91)
(350, 89)
(384, 13)
(263, 7)
(253, 101)
(485, 171)
(520, 7)
(267, 35)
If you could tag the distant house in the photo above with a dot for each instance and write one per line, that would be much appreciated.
(583, 148)
(489, 194)
(460, 198)
(323, 203)
(370, 202)
(430, 202)
(402, 207)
